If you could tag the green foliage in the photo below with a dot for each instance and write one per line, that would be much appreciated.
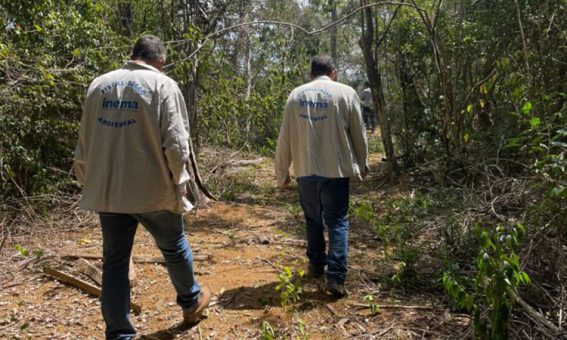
(396, 227)
(23, 251)
(267, 331)
(374, 308)
(51, 49)
(301, 328)
(26, 253)
(375, 145)
(498, 277)
(290, 286)
(233, 118)
(457, 292)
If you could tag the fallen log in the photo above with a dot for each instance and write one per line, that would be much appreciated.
(82, 285)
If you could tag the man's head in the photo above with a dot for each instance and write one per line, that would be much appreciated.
(366, 84)
(323, 65)
(150, 50)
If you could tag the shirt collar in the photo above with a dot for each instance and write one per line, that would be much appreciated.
(323, 77)
(133, 64)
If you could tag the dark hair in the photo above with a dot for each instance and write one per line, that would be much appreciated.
(322, 65)
(148, 48)
(367, 84)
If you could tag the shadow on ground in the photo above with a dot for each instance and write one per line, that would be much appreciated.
(262, 296)
(174, 332)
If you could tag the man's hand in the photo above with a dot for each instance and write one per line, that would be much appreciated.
(285, 183)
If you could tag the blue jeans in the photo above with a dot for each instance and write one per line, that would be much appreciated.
(118, 232)
(325, 202)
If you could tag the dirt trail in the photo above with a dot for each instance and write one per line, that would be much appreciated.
(242, 273)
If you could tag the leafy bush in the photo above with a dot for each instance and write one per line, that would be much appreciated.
(50, 51)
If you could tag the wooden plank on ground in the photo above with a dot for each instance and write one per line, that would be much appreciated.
(84, 286)
(89, 270)
(95, 274)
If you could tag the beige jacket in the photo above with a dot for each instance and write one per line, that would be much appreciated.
(322, 132)
(133, 146)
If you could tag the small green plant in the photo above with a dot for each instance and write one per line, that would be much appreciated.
(374, 308)
(294, 209)
(269, 147)
(363, 210)
(396, 227)
(267, 331)
(38, 253)
(23, 251)
(407, 267)
(301, 327)
(463, 299)
(498, 276)
(290, 286)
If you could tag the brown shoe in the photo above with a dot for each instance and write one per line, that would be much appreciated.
(337, 289)
(193, 315)
(315, 272)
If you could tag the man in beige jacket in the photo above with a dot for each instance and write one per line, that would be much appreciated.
(131, 159)
(322, 134)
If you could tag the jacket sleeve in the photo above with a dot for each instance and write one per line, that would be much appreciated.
(175, 132)
(80, 154)
(80, 157)
(282, 160)
(357, 132)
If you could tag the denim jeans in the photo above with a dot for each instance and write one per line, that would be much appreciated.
(369, 118)
(325, 203)
(118, 232)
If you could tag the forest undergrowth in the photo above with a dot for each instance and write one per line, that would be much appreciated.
(426, 260)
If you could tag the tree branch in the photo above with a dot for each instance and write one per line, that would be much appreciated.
(288, 24)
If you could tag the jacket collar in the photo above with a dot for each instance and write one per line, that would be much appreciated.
(131, 64)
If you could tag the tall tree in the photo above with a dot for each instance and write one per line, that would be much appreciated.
(371, 48)
(334, 55)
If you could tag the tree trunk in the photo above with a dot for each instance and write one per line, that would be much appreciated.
(369, 50)
(198, 193)
(125, 10)
(412, 109)
(333, 5)
(247, 62)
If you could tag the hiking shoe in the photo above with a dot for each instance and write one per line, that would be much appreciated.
(315, 272)
(193, 315)
(337, 289)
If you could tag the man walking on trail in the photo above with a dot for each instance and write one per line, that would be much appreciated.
(131, 159)
(367, 108)
(323, 135)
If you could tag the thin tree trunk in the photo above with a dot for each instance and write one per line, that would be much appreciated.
(125, 9)
(248, 62)
(369, 50)
(333, 5)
